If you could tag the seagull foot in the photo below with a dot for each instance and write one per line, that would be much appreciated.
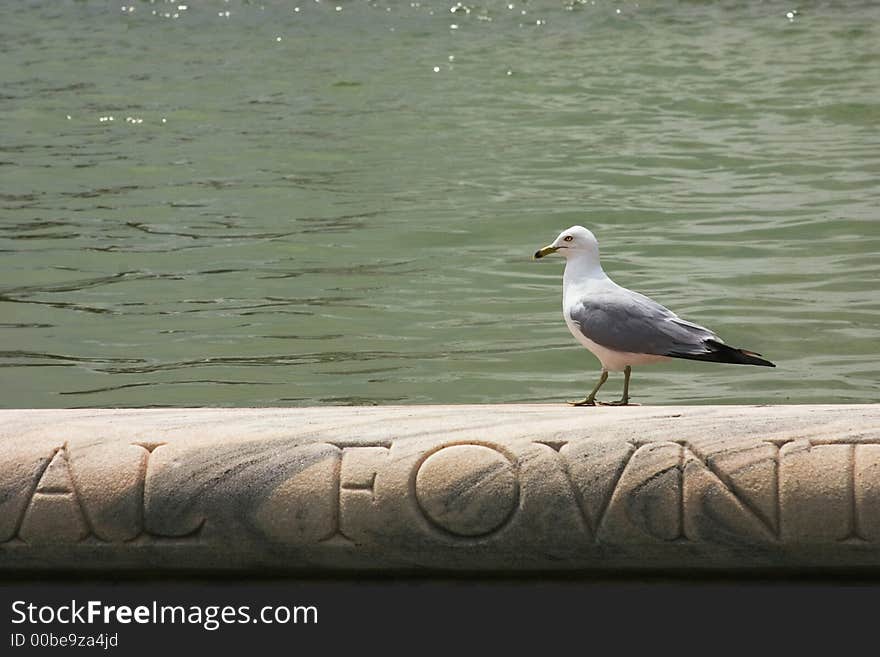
(583, 402)
(619, 402)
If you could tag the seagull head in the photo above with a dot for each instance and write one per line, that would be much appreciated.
(573, 242)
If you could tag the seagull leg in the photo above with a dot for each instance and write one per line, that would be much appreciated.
(624, 401)
(590, 400)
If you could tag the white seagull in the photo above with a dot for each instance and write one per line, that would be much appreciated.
(623, 328)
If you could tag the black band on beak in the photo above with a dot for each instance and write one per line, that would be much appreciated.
(547, 250)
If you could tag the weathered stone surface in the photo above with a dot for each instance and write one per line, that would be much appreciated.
(463, 488)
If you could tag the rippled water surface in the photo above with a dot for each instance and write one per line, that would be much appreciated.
(279, 203)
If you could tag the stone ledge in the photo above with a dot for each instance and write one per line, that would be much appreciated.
(510, 488)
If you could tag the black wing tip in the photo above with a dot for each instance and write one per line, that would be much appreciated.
(722, 353)
(754, 358)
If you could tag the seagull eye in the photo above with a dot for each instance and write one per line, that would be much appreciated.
(567, 238)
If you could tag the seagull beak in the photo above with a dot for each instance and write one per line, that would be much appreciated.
(547, 250)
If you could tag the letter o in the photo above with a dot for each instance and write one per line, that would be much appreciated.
(467, 490)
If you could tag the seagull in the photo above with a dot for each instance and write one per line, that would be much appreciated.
(623, 328)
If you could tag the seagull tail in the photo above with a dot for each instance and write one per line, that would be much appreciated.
(718, 352)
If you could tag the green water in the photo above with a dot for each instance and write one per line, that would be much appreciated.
(339, 206)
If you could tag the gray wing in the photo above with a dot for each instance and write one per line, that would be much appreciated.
(623, 320)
